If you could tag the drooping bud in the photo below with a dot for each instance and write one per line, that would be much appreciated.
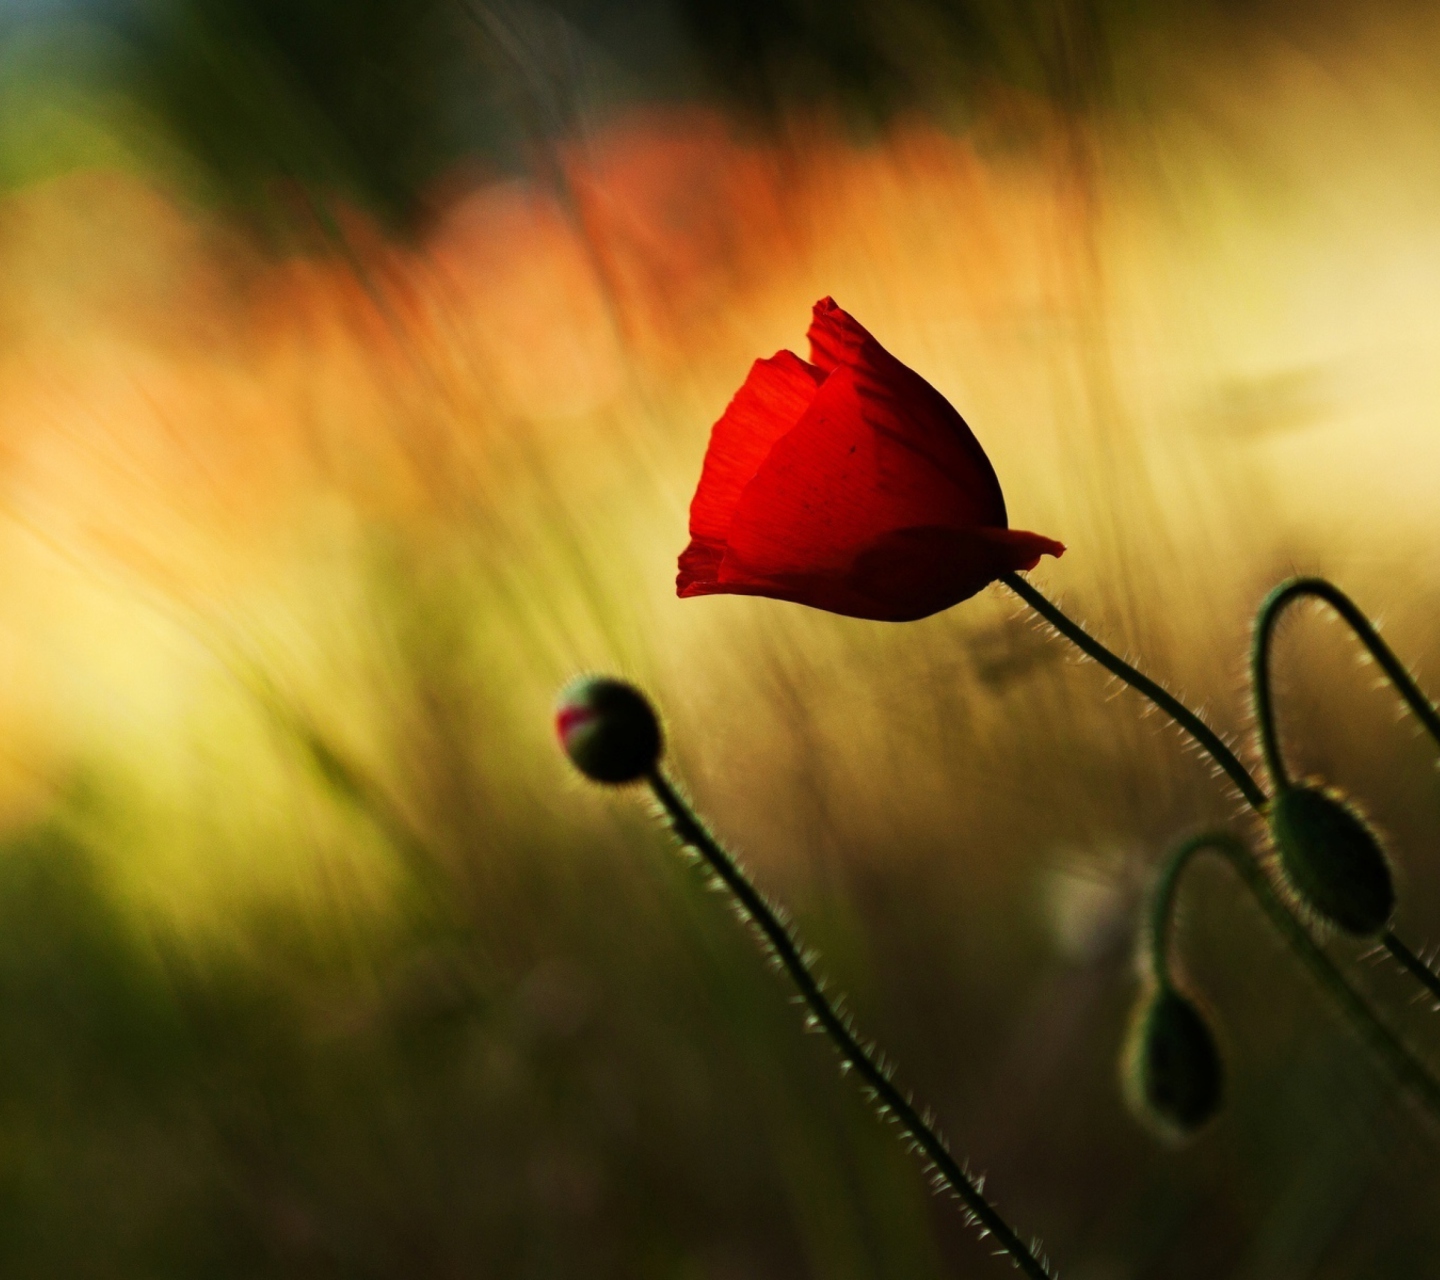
(608, 729)
(1333, 860)
(1173, 1071)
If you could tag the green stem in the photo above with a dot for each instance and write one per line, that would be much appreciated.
(1285, 919)
(1281, 598)
(1408, 1071)
(865, 1062)
(1413, 964)
(1275, 604)
(1188, 720)
(1162, 906)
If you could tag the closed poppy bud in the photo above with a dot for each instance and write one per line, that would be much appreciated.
(1174, 1075)
(1333, 860)
(608, 729)
(848, 483)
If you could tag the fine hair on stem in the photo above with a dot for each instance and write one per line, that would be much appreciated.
(863, 1058)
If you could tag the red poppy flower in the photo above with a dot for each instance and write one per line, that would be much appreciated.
(850, 484)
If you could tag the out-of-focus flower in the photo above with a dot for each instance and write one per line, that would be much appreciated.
(850, 484)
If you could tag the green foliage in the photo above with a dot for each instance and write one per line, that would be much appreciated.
(277, 1101)
(287, 111)
(305, 99)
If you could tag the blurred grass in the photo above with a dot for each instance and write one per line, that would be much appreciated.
(316, 960)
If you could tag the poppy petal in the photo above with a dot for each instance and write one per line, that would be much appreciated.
(848, 484)
(904, 574)
(912, 573)
(831, 593)
(699, 567)
(774, 398)
(849, 472)
(1025, 549)
(836, 337)
(901, 402)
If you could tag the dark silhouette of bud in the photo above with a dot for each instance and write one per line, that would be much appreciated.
(1174, 1075)
(608, 729)
(1333, 860)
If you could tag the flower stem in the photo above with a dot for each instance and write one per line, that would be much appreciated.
(1286, 594)
(1188, 720)
(1412, 963)
(865, 1061)
(1290, 926)
(1275, 604)
(1408, 1071)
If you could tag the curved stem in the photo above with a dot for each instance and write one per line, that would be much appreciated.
(1408, 1071)
(1318, 588)
(1162, 902)
(1283, 595)
(1286, 594)
(865, 1062)
(1188, 720)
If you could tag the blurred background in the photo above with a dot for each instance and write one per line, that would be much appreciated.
(356, 366)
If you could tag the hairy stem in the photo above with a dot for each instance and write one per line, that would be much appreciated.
(1188, 720)
(864, 1061)
(1319, 589)
(1284, 919)
(1408, 1071)
(1281, 598)
(1412, 963)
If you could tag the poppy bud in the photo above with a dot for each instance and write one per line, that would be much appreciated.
(1174, 1075)
(1332, 860)
(608, 729)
